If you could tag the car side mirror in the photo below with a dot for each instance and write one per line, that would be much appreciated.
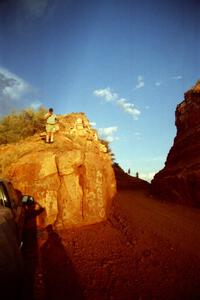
(27, 200)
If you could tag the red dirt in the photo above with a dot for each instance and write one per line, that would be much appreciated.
(146, 250)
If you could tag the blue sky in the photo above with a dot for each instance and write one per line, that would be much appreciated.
(126, 64)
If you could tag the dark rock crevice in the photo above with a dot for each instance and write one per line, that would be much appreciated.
(82, 174)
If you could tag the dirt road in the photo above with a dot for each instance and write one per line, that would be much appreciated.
(175, 223)
(146, 250)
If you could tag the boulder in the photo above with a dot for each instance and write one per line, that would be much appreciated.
(180, 179)
(72, 178)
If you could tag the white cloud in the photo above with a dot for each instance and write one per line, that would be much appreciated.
(110, 138)
(137, 133)
(93, 124)
(18, 89)
(140, 82)
(36, 105)
(158, 83)
(106, 94)
(108, 133)
(140, 78)
(178, 77)
(129, 108)
(139, 85)
(15, 93)
(108, 130)
(147, 176)
(110, 96)
(14, 87)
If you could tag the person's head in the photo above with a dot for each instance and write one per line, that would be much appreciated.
(50, 110)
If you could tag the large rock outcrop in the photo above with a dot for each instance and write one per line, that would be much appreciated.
(180, 179)
(72, 178)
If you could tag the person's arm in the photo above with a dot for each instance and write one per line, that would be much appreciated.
(46, 116)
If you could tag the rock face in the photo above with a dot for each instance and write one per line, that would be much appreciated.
(72, 178)
(180, 179)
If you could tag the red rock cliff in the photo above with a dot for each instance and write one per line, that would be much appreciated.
(180, 179)
(72, 178)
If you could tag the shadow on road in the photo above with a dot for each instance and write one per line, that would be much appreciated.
(48, 271)
(60, 279)
(30, 250)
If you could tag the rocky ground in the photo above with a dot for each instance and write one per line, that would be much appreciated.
(147, 249)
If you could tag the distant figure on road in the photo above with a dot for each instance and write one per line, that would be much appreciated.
(129, 171)
(51, 120)
(137, 174)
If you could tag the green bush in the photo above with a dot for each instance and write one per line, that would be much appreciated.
(106, 143)
(19, 125)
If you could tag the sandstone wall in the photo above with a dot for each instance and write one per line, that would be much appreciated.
(180, 179)
(72, 178)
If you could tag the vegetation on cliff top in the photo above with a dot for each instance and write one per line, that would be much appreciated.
(20, 125)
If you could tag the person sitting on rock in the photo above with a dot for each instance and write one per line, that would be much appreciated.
(51, 120)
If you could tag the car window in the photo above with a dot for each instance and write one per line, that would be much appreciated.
(3, 196)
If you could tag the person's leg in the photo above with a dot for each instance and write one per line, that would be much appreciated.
(51, 137)
(47, 133)
(47, 137)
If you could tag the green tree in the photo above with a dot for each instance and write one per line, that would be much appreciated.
(19, 125)
(106, 143)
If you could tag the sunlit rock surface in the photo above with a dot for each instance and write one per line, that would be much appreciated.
(180, 179)
(72, 178)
